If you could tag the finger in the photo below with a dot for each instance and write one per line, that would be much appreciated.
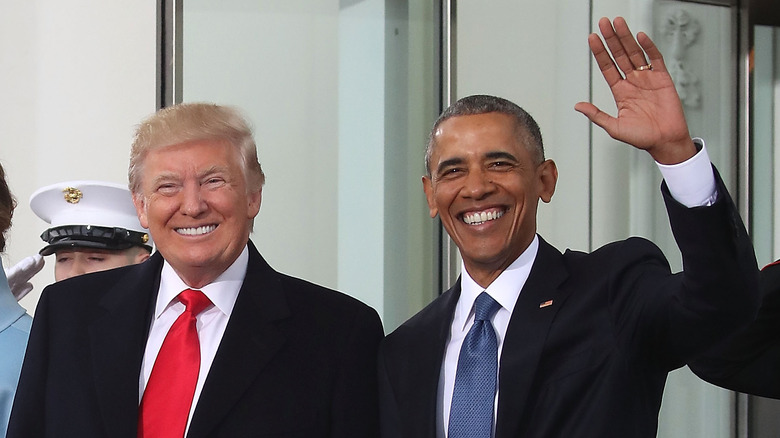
(653, 54)
(23, 271)
(633, 51)
(22, 291)
(615, 46)
(603, 60)
(598, 117)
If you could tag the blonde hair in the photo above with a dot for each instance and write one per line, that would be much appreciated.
(195, 121)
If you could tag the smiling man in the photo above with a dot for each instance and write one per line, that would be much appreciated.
(530, 342)
(204, 338)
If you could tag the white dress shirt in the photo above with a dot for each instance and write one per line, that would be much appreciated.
(692, 183)
(210, 323)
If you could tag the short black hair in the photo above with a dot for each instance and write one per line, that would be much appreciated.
(527, 129)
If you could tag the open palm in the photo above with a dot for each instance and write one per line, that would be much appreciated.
(649, 112)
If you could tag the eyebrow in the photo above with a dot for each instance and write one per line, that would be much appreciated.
(501, 154)
(166, 176)
(488, 156)
(212, 170)
(447, 163)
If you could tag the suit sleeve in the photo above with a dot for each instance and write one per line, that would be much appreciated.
(28, 412)
(355, 409)
(389, 419)
(749, 361)
(681, 315)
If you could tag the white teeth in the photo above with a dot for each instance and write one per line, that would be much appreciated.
(482, 217)
(196, 231)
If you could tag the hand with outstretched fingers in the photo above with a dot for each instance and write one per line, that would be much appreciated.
(649, 112)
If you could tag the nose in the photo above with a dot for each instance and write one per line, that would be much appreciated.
(477, 184)
(193, 203)
(78, 267)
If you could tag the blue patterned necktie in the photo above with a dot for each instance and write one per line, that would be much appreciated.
(471, 414)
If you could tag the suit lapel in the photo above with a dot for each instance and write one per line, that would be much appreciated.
(528, 326)
(118, 339)
(250, 341)
(423, 379)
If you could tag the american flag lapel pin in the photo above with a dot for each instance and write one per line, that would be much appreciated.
(547, 303)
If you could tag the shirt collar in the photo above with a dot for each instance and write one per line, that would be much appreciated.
(505, 289)
(223, 291)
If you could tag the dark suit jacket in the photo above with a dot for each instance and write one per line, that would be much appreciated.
(594, 363)
(749, 361)
(296, 360)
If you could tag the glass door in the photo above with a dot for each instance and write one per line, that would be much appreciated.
(341, 94)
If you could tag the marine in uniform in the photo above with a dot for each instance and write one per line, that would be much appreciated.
(94, 227)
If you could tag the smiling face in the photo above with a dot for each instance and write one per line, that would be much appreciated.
(485, 187)
(195, 202)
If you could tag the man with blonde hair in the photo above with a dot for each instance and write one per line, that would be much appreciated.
(204, 338)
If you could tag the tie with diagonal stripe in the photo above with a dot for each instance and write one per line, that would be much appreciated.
(471, 413)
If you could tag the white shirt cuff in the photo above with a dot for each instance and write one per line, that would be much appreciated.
(692, 182)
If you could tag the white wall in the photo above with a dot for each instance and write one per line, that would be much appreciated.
(75, 77)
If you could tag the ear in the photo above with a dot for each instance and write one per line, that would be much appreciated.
(140, 209)
(547, 173)
(142, 256)
(254, 199)
(428, 189)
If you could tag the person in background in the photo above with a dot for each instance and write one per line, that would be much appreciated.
(94, 227)
(533, 343)
(204, 339)
(14, 320)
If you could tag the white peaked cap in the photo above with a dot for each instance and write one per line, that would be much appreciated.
(71, 205)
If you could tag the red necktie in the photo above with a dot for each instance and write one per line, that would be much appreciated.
(166, 403)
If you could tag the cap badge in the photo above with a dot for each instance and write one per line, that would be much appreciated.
(72, 195)
(145, 238)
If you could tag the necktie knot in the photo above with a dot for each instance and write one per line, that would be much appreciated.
(485, 307)
(195, 301)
